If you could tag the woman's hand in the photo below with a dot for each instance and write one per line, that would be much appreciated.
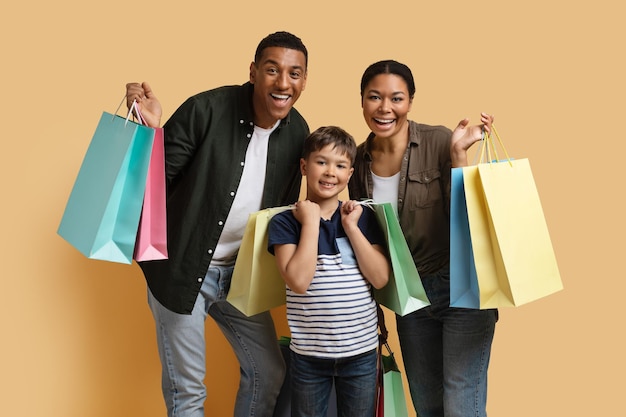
(464, 136)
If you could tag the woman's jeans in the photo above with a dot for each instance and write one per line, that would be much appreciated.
(312, 380)
(181, 343)
(446, 353)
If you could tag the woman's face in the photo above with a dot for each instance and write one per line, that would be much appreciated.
(386, 103)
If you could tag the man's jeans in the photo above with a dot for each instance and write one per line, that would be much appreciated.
(181, 343)
(446, 354)
(355, 385)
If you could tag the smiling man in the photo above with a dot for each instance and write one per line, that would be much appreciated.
(229, 151)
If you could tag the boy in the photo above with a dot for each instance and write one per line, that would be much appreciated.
(330, 253)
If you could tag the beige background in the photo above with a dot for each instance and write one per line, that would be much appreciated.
(77, 336)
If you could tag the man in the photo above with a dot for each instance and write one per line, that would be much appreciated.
(229, 151)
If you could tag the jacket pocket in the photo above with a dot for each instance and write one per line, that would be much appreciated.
(424, 189)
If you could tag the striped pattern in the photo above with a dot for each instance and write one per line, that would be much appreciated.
(336, 317)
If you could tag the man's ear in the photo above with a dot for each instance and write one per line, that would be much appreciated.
(252, 72)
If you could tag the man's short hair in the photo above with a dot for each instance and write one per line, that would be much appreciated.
(281, 40)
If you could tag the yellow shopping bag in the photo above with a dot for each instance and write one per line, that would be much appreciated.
(513, 254)
(256, 285)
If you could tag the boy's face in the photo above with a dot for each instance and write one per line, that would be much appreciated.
(279, 78)
(327, 173)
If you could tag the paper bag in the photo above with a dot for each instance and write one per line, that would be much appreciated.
(152, 234)
(404, 293)
(103, 209)
(256, 285)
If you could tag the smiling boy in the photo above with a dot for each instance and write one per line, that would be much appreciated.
(330, 253)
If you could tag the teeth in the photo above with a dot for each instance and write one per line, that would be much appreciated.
(281, 96)
(384, 121)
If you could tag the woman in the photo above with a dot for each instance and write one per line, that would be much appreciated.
(446, 350)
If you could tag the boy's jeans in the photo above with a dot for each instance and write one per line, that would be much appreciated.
(355, 384)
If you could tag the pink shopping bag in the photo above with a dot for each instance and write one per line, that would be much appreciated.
(152, 233)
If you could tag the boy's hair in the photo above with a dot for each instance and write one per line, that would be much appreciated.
(330, 135)
(389, 67)
(281, 40)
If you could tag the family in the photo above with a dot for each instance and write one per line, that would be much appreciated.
(237, 149)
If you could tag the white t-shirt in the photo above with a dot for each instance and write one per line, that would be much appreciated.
(386, 189)
(248, 198)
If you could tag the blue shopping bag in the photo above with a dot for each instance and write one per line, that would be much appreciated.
(102, 214)
(464, 291)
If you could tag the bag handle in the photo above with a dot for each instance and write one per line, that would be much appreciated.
(133, 110)
(488, 147)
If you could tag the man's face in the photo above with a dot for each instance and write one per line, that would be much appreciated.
(279, 78)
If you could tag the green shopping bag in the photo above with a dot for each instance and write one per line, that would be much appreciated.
(102, 213)
(394, 401)
(404, 293)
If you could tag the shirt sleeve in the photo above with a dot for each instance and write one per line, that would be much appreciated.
(370, 227)
(283, 229)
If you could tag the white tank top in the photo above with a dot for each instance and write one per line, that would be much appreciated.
(386, 189)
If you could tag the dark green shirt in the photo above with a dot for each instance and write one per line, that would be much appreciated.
(423, 194)
(205, 147)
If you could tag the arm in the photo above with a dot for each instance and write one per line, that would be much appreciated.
(297, 263)
(148, 103)
(465, 136)
(371, 259)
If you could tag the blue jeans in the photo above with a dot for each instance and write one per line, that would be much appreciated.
(446, 353)
(182, 351)
(354, 379)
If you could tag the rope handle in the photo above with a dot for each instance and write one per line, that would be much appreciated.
(133, 110)
(488, 146)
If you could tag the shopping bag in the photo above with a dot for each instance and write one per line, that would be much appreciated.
(151, 241)
(256, 284)
(464, 290)
(102, 213)
(394, 400)
(513, 255)
(380, 391)
(404, 293)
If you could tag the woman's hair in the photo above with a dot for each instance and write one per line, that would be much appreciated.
(389, 67)
(330, 135)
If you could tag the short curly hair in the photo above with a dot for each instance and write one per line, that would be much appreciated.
(282, 40)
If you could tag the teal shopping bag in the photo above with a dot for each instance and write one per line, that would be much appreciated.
(404, 293)
(102, 214)
(464, 291)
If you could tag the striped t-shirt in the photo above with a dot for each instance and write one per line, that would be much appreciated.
(336, 317)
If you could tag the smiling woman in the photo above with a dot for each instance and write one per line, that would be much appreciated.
(408, 165)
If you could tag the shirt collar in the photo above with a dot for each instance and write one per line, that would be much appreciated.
(245, 106)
